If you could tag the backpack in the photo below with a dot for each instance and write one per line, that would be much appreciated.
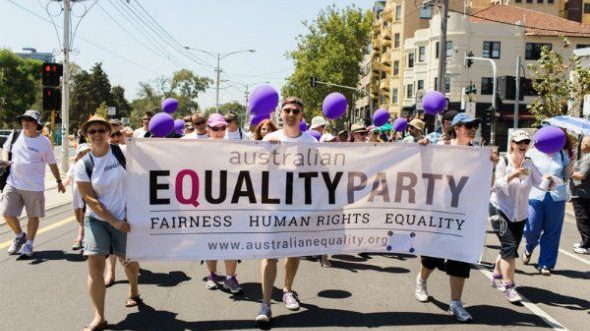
(89, 161)
(5, 172)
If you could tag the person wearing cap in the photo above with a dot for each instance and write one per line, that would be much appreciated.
(291, 114)
(77, 202)
(580, 189)
(142, 131)
(547, 209)
(217, 127)
(200, 127)
(463, 131)
(515, 175)
(343, 136)
(415, 130)
(328, 138)
(234, 132)
(359, 133)
(25, 186)
(318, 123)
(100, 177)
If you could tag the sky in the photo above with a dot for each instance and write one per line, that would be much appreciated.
(112, 32)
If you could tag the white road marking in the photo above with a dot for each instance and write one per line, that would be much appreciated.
(574, 256)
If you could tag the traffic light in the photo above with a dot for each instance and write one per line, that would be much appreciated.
(314, 81)
(51, 98)
(469, 62)
(51, 72)
(487, 119)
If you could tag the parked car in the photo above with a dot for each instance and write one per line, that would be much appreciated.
(3, 136)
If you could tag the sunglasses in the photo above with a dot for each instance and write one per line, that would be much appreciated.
(294, 111)
(470, 126)
(526, 142)
(116, 134)
(99, 131)
(361, 133)
(217, 128)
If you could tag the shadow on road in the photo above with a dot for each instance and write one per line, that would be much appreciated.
(55, 255)
(162, 279)
(539, 295)
(311, 316)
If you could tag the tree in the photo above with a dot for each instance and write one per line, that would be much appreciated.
(89, 90)
(332, 51)
(19, 86)
(119, 102)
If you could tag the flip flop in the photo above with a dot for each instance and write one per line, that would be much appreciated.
(98, 327)
(110, 283)
(133, 301)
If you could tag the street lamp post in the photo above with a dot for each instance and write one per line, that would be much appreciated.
(219, 56)
(493, 124)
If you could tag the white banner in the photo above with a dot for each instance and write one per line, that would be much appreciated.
(202, 199)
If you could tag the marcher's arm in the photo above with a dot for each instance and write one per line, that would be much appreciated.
(89, 196)
(55, 171)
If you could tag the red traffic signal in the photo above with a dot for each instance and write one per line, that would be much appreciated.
(51, 72)
(51, 98)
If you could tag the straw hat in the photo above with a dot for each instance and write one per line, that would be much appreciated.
(95, 119)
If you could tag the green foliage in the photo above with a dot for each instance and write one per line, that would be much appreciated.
(332, 50)
(19, 86)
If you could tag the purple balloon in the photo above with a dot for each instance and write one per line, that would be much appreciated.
(263, 99)
(303, 125)
(550, 139)
(179, 126)
(316, 134)
(334, 105)
(161, 124)
(434, 102)
(256, 119)
(380, 117)
(170, 105)
(400, 124)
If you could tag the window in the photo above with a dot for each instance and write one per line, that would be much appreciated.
(396, 40)
(395, 68)
(587, 8)
(539, 1)
(533, 50)
(529, 1)
(518, 1)
(447, 84)
(409, 91)
(449, 48)
(394, 98)
(550, 1)
(411, 60)
(487, 86)
(420, 85)
(578, 46)
(398, 12)
(491, 49)
(421, 54)
(426, 12)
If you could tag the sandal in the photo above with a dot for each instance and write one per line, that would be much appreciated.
(133, 301)
(98, 327)
(525, 257)
(109, 283)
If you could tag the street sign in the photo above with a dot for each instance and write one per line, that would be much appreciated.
(125, 120)
(470, 109)
(112, 111)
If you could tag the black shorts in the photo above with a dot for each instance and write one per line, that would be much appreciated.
(451, 267)
(509, 234)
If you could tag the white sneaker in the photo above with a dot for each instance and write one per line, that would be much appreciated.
(577, 245)
(27, 250)
(498, 284)
(512, 296)
(265, 314)
(456, 309)
(17, 244)
(581, 250)
(421, 290)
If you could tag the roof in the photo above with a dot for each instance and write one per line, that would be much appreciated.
(545, 24)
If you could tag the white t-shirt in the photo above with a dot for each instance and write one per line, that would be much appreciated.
(108, 178)
(139, 133)
(280, 135)
(195, 135)
(77, 201)
(236, 135)
(29, 156)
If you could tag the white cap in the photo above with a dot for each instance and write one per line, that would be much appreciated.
(317, 122)
(328, 137)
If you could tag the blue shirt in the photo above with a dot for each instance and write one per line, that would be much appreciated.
(550, 165)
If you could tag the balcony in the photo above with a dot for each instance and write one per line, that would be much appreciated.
(387, 13)
(384, 84)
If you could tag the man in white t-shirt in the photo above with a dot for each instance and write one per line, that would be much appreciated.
(145, 121)
(200, 127)
(234, 132)
(291, 114)
(25, 186)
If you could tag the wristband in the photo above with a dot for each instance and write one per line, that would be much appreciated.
(58, 181)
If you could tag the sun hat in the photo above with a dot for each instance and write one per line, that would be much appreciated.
(95, 119)
(317, 122)
(358, 127)
(33, 114)
(216, 119)
(418, 124)
(519, 135)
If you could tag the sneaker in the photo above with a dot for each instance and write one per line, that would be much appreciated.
(545, 271)
(16, 244)
(581, 250)
(290, 300)
(27, 250)
(231, 284)
(512, 296)
(77, 245)
(525, 257)
(211, 281)
(456, 309)
(265, 314)
(577, 245)
(421, 292)
(498, 283)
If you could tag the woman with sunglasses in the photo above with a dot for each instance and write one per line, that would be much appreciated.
(515, 175)
(217, 126)
(105, 222)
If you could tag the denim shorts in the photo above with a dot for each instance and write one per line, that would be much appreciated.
(101, 238)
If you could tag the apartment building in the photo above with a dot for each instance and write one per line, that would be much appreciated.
(485, 38)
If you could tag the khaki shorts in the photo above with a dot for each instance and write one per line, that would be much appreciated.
(13, 201)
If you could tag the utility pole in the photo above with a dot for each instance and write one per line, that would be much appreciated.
(517, 94)
(217, 83)
(65, 92)
(494, 91)
(442, 47)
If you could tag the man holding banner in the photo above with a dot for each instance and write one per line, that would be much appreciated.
(291, 114)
